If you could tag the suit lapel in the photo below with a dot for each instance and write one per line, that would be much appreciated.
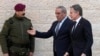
(78, 27)
(63, 25)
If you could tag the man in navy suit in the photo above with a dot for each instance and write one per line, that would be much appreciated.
(81, 34)
(60, 30)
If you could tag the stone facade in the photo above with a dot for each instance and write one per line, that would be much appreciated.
(42, 14)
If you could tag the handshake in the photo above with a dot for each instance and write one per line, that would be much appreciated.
(31, 31)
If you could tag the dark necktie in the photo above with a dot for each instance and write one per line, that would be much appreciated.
(57, 28)
(74, 27)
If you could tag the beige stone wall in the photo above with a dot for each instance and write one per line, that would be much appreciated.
(42, 14)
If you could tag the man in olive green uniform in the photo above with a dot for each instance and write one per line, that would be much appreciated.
(14, 39)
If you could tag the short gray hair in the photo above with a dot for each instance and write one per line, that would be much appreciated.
(63, 9)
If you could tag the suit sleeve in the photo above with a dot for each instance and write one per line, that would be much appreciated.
(70, 30)
(47, 34)
(88, 36)
(3, 36)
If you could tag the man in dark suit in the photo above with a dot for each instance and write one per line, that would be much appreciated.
(81, 34)
(60, 30)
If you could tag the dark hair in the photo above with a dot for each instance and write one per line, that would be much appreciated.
(78, 8)
(63, 9)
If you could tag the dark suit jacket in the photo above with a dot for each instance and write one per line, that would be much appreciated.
(82, 38)
(62, 39)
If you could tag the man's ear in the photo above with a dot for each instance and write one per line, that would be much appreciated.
(78, 12)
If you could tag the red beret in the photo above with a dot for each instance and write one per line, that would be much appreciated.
(19, 7)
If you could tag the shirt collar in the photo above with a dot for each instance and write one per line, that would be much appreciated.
(64, 19)
(78, 19)
(62, 22)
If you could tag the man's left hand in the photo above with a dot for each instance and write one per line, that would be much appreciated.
(30, 53)
(66, 54)
(83, 54)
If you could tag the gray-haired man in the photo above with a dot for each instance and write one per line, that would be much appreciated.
(60, 30)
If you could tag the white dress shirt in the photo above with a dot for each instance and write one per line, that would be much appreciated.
(77, 21)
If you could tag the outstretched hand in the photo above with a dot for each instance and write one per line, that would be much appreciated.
(31, 32)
